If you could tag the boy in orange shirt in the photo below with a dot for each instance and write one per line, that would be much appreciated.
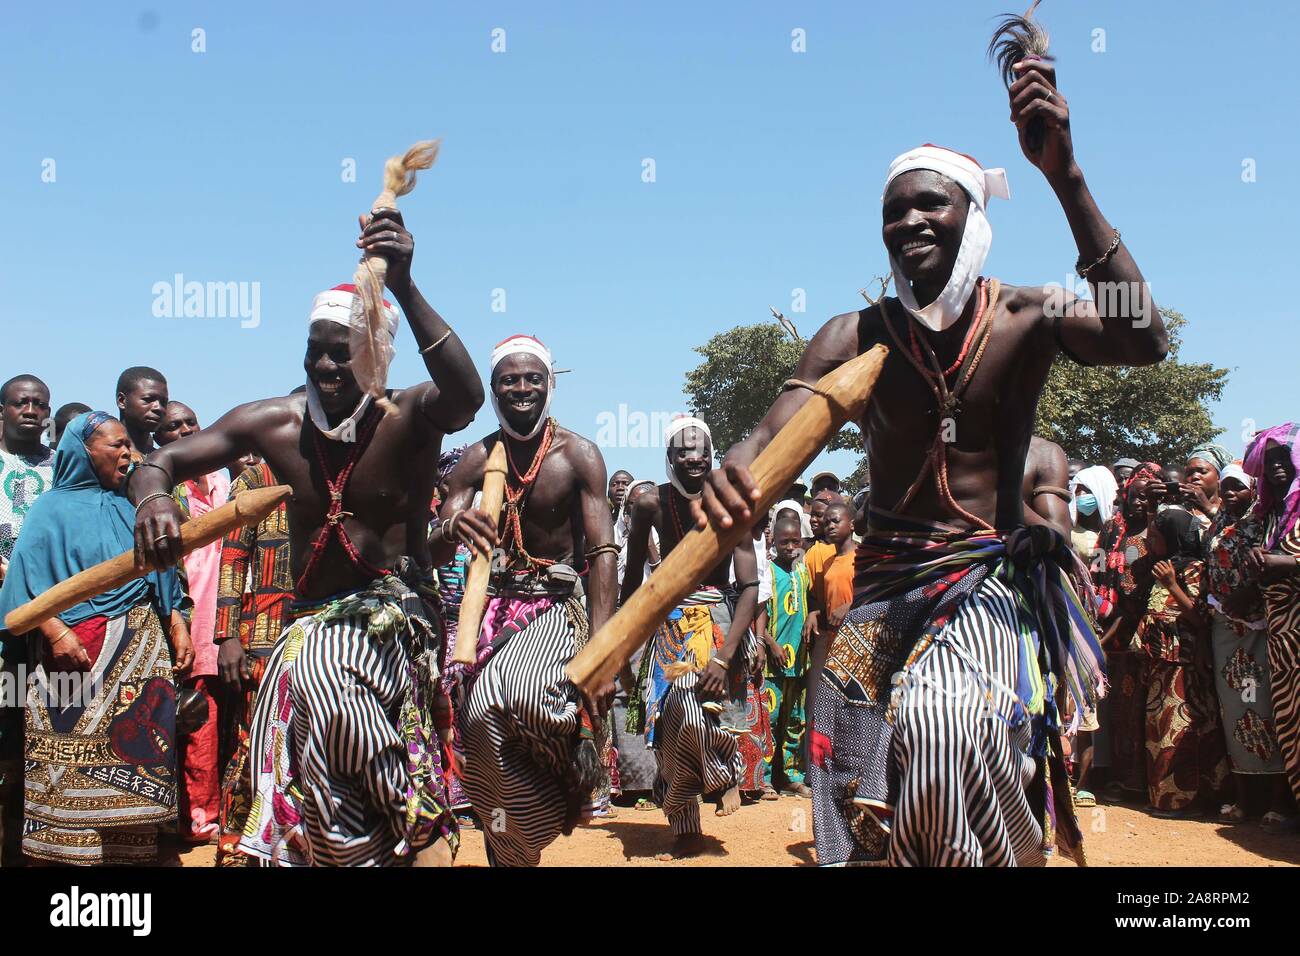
(831, 567)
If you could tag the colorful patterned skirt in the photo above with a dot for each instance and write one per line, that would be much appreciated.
(101, 772)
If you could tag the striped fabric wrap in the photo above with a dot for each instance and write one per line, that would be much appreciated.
(1035, 564)
(344, 752)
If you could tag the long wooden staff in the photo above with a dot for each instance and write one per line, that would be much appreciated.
(475, 598)
(840, 396)
(372, 347)
(248, 507)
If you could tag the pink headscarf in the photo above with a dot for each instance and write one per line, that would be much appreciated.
(1287, 435)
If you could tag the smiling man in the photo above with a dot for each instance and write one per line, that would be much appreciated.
(695, 671)
(141, 403)
(353, 688)
(535, 751)
(930, 724)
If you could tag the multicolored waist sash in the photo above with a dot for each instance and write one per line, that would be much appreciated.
(1034, 562)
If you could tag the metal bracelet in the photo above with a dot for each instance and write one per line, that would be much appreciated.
(429, 348)
(150, 497)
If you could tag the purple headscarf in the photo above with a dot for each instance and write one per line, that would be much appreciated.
(1287, 435)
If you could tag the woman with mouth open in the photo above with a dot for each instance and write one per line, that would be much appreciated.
(351, 671)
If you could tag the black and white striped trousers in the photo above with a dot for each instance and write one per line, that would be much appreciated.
(950, 767)
(518, 728)
(695, 755)
(345, 690)
(963, 770)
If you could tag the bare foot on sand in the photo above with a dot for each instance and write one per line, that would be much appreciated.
(685, 845)
(729, 802)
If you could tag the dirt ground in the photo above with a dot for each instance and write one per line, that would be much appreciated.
(780, 834)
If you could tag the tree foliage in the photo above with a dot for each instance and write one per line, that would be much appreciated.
(741, 375)
(1157, 413)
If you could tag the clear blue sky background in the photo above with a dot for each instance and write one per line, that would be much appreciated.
(225, 166)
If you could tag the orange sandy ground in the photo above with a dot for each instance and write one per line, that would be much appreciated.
(779, 834)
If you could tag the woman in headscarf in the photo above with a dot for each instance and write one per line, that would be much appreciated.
(1092, 504)
(1199, 489)
(101, 697)
(1273, 460)
(1186, 758)
(1239, 640)
(1118, 743)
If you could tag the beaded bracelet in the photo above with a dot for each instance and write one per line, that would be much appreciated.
(1105, 257)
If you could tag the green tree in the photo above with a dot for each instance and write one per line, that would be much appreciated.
(741, 375)
(1157, 413)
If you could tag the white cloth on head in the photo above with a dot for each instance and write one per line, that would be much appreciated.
(675, 428)
(805, 520)
(980, 185)
(336, 305)
(1098, 480)
(522, 345)
(1235, 471)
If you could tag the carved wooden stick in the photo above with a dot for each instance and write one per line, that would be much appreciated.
(249, 507)
(476, 581)
(840, 396)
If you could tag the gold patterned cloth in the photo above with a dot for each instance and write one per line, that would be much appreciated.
(100, 746)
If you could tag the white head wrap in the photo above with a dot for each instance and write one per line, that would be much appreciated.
(1101, 483)
(805, 520)
(980, 185)
(336, 305)
(675, 428)
(523, 345)
(1234, 470)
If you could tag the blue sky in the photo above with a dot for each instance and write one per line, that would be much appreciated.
(225, 166)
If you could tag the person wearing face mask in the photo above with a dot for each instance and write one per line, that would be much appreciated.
(101, 692)
(1092, 504)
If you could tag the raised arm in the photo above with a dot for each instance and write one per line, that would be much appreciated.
(455, 393)
(1121, 326)
(729, 491)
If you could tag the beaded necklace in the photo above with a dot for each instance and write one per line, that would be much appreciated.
(947, 399)
(516, 495)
